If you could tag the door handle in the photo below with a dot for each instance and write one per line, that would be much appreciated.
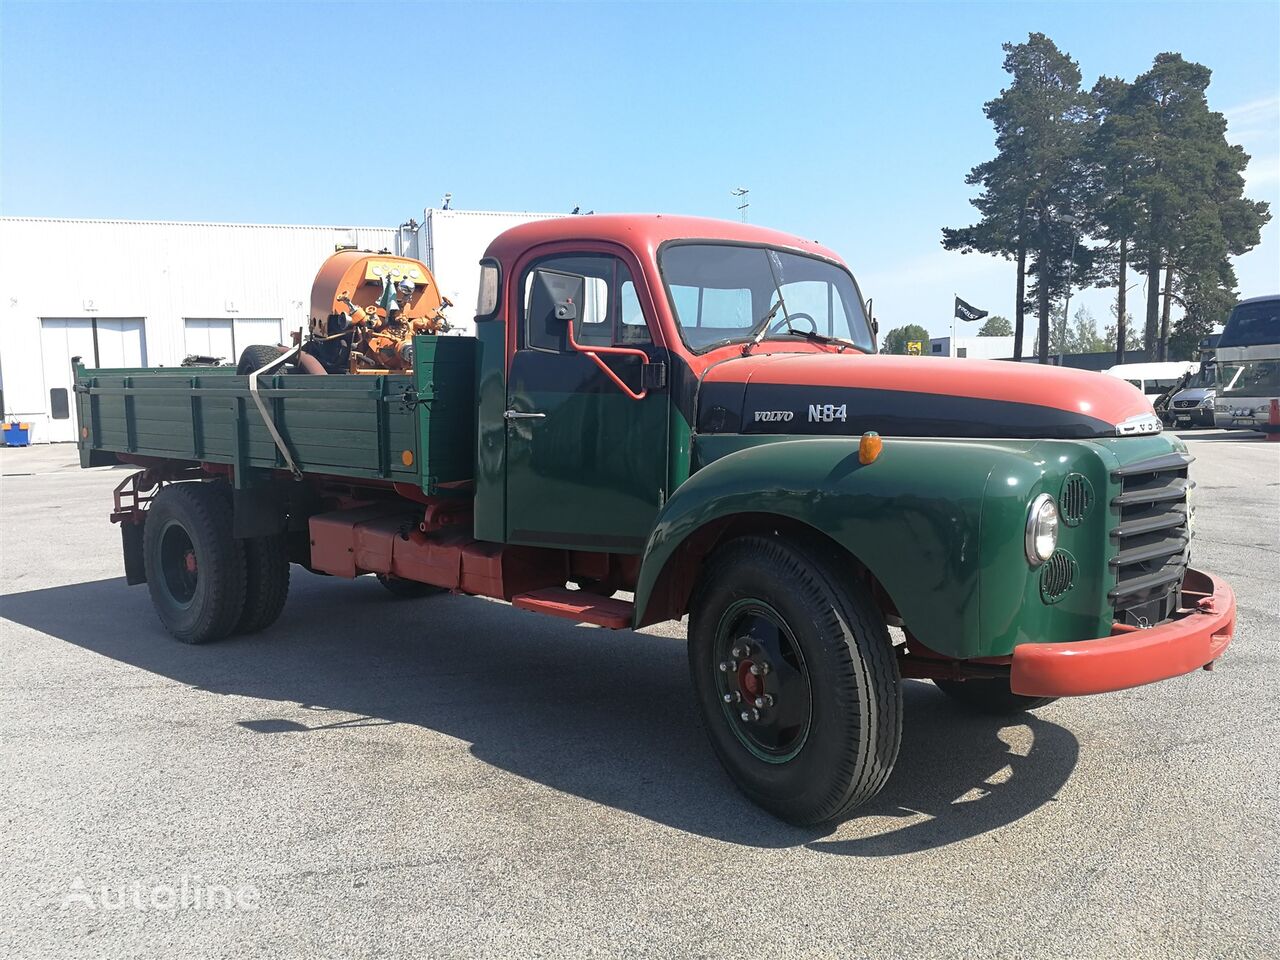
(517, 415)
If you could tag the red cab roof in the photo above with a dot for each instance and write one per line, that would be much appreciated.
(643, 232)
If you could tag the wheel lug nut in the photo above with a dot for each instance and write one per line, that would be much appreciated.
(755, 714)
(746, 717)
(728, 698)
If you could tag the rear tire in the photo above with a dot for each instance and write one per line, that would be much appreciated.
(990, 696)
(408, 589)
(257, 356)
(195, 569)
(827, 735)
(266, 564)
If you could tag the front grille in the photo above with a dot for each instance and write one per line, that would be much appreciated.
(1152, 537)
(1184, 404)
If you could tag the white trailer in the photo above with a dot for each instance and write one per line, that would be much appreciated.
(135, 293)
(451, 243)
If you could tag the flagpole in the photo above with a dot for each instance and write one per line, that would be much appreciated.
(954, 298)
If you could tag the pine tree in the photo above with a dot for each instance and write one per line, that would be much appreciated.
(1035, 190)
(1189, 180)
(1115, 151)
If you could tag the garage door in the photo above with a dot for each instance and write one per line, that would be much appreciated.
(99, 342)
(251, 330)
(209, 338)
(226, 338)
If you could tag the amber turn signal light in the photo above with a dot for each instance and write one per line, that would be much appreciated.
(869, 447)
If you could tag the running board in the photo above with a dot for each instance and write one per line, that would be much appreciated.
(578, 606)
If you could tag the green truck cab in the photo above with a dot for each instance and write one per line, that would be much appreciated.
(665, 416)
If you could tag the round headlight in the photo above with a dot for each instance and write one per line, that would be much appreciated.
(1042, 529)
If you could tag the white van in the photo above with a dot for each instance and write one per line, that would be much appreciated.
(1154, 379)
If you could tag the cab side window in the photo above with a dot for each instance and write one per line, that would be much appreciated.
(610, 314)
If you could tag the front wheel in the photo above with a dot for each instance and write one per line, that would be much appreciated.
(795, 679)
(990, 696)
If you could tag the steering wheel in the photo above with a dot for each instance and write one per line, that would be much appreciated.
(786, 322)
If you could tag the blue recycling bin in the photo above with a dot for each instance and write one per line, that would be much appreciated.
(16, 434)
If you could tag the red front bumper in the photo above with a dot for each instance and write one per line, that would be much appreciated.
(1131, 657)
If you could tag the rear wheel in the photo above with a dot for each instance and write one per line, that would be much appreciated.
(990, 696)
(257, 356)
(266, 564)
(195, 569)
(796, 681)
(408, 589)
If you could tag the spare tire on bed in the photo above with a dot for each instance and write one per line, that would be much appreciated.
(257, 356)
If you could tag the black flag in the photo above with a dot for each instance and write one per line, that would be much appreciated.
(965, 311)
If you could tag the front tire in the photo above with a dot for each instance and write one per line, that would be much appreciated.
(795, 679)
(990, 696)
(195, 569)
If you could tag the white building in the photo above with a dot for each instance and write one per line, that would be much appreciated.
(146, 293)
(973, 348)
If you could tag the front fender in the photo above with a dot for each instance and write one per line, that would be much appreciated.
(913, 517)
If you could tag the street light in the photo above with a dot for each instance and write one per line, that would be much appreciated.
(1071, 221)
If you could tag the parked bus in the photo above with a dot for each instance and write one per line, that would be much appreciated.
(1249, 365)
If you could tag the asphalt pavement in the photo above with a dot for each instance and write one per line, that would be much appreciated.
(455, 778)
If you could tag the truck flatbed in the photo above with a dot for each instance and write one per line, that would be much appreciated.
(414, 428)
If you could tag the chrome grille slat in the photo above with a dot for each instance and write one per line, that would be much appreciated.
(1168, 461)
(1134, 528)
(1150, 493)
(1165, 547)
(1127, 588)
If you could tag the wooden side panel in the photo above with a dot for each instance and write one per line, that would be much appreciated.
(357, 426)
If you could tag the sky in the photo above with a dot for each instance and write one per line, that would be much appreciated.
(850, 123)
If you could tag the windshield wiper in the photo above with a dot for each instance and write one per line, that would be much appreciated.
(764, 329)
(815, 337)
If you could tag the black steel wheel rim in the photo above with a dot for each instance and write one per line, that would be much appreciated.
(762, 681)
(180, 572)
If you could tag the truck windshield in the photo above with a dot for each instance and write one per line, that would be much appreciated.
(722, 293)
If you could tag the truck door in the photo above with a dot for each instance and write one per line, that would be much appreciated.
(586, 464)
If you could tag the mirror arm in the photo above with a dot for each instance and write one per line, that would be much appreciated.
(594, 352)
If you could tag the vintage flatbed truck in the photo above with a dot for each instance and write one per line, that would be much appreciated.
(661, 416)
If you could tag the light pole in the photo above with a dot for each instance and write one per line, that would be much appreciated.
(741, 194)
(1074, 224)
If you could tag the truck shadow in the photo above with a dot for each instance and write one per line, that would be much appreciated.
(604, 716)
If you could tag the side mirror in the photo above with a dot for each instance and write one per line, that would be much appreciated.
(556, 295)
(562, 298)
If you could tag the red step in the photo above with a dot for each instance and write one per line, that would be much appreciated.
(578, 606)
